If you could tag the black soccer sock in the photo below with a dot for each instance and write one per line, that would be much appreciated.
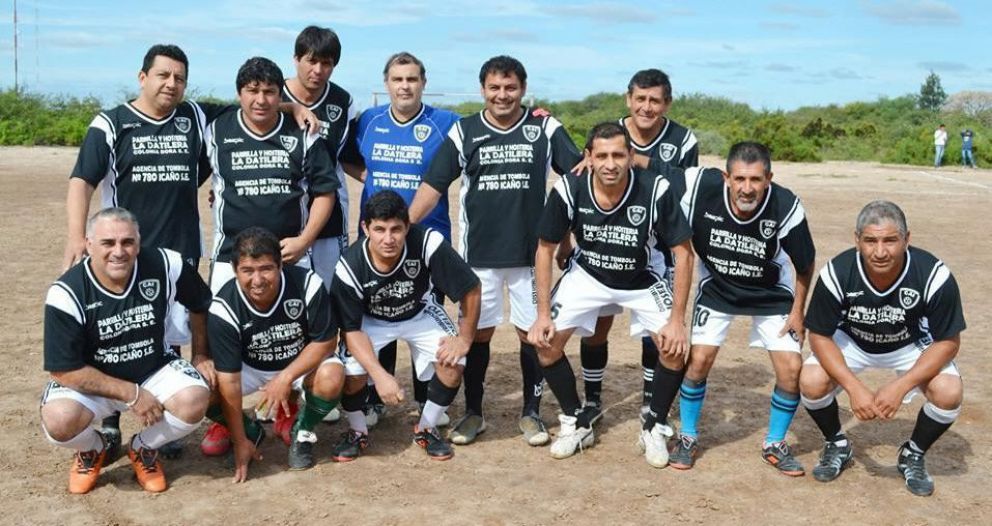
(666, 385)
(387, 358)
(476, 365)
(594, 359)
(533, 379)
(113, 420)
(419, 387)
(355, 401)
(561, 379)
(649, 359)
(931, 423)
(828, 420)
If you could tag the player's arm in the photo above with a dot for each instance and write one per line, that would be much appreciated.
(275, 393)
(797, 242)
(293, 248)
(443, 170)
(77, 206)
(455, 278)
(91, 167)
(194, 294)
(319, 170)
(565, 156)
(360, 346)
(230, 399)
(554, 225)
(672, 228)
(304, 118)
(350, 156)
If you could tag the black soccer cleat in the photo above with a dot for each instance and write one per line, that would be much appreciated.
(913, 467)
(431, 441)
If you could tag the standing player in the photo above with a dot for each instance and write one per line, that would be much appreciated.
(271, 330)
(503, 156)
(884, 304)
(105, 325)
(385, 290)
(753, 243)
(616, 214)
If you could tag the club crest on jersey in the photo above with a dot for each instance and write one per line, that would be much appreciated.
(532, 132)
(288, 142)
(334, 112)
(667, 151)
(411, 268)
(908, 298)
(421, 132)
(293, 308)
(183, 124)
(636, 214)
(149, 289)
(768, 228)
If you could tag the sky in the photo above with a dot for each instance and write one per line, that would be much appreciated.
(769, 54)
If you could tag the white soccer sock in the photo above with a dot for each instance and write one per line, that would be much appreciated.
(431, 414)
(87, 440)
(943, 416)
(818, 403)
(169, 428)
(356, 421)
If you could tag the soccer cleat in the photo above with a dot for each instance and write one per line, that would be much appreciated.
(374, 413)
(654, 444)
(466, 429)
(535, 433)
(593, 410)
(217, 441)
(429, 439)
(147, 468)
(833, 460)
(443, 421)
(645, 411)
(570, 438)
(913, 467)
(333, 416)
(86, 469)
(683, 455)
(171, 450)
(301, 450)
(283, 426)
(350, 447)
(780, 456)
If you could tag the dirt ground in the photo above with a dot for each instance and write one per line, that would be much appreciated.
(500, 479)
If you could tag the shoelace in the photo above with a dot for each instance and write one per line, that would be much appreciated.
(86, 461)
(149, 458)
(915, 468)
(832, 456)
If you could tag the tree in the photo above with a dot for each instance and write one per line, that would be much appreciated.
(932, 95)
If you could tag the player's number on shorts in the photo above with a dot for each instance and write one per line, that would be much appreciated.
(700, 317)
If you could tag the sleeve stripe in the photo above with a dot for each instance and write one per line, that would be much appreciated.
(102, 122)
(312, 286)
(61, 297)
(223, 311)
(565, 192)
(661, 186)
(829, 278)
(432, 241)
(347, 276)
(457, 137)
(692, 180)
(687, 144)
(938, 277)
(794, 218)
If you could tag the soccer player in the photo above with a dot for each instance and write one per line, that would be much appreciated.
(271, 330)
(384, 290)
(105, 325)
(888, 305)
(756, 259)
(502, 155)
(616, 213)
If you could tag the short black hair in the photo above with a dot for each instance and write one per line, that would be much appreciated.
(749, 152)
(383, 206)
(165, 50)
(260, 70)
(651, 78)
(403, 58)
(255, 242)
(504, 65)
(321, 42)
(607, 130)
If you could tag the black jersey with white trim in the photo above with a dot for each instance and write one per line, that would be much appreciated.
(121, 335)
(675, 145)
(614, 245)
(922, 306)
(151, 167)
(264, 180)
(338, 115)
(504, 179)
(270, 340)
(428, 261)
(744, 265)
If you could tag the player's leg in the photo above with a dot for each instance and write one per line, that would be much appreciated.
(66, 418)
(353, 397)
(944, 394)
(594, 353)
(217, 440)
(819, 396)
(374, 407)
(422, 335)
(787, 362)
(523, 314)
(321, 393)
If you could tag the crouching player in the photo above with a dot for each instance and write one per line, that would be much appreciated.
(382, 290)
(271, 330)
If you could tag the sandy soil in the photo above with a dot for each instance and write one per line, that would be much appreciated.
(500, 479)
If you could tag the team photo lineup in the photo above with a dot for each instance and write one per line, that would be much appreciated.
(554, 240)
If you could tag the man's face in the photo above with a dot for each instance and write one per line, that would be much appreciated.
(610, 161)
(164, 85)
(405, 87)
(647, 106)
(747, 184)
(260, 103)
(313, 72)
(113, 246)
(386, 237)
(882, 248)
(503, 94)
(259, 278)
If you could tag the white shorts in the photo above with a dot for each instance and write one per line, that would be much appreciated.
(710, 327)
(166, 382)
(324, 255)
(421, 333)
(221, 272)
(578, 299)
(523, 296)
(254, 379)
(657, 265)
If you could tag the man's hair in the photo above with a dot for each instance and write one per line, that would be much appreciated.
(941, 125)
(255, 242)
(383, 206)
(879, 212)
(321, 42)
(114, 213)
(165, 50)
(651, 78)
(749, 152)
(260, 70)
(503, 65)
(401, 59)
(607, 130)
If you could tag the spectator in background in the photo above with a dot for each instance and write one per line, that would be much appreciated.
(939, 142)
(967, 158)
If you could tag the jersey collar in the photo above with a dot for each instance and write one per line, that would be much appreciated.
(412, 120)
(96, 282)
(592, 194)
(275, 304)
(898, 281)
(320, 99)
(757, 214)
(653, 142)
(145, 117)
(371, 265)
(253, 135)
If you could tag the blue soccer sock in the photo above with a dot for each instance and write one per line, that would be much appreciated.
(783, 408)
(691, 404)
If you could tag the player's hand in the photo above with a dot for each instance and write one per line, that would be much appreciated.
(451, 349)
(275, 397)
(888, 399)
(583, 166)
(293, 248)
(794, 325)
(306, 119)
(641, 161)
(540, 112)
(205, 366)
(564, 252)
(542, 332)
(862, 403)
(148, 409)
(389, 390)
(244, 452)
(211, 197)
(75, 251)
(672, 339)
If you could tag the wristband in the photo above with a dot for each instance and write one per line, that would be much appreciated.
(137, 394)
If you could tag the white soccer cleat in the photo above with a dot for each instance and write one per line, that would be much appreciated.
(654, 444)
(570, 438)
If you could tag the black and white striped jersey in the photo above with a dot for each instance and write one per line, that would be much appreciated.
(337, 114)
(121, 335)
(504, 179)
(152, 167)
(922, 306)
(614, 245)
(264, 180)
(675, 145)
(428, 261)
(270, 340)
(746, 266)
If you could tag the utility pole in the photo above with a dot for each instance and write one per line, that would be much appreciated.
(15, 46)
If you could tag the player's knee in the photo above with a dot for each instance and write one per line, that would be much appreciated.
(189, 404)
(63, 419)
(328, 380)
(945, 391)
(602, 334)
(354, 384)
(814, 381)
(484, 335)
(548, 356)
(787, 368)
(701, 361)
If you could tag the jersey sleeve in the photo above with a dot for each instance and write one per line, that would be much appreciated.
(670, 224)
(321, 325)
(449, 272)
(346, 297)
(945, 316)
(318, 167)
(65, 333)
(796, 239)
(224, 337)
(191, 291)
(690, 151)
(564, 154)
(93, 159)
(556, 218)
(824, 312)
(447, 163)
(350, 152)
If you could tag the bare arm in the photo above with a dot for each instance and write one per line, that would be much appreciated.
(89, 380)
(453, 348)
(201, 351)
(424, 201)
(796, 315)
(293, 248)
(674, 341)
(275, 393)
(360, 346)
(77, 206)
(938, 354)
(355, 171)
(229, 395)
